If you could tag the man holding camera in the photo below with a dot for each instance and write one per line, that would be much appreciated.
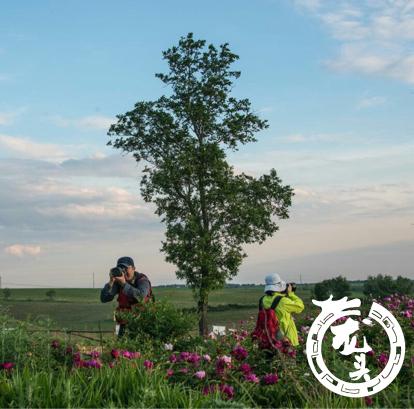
(131, 287)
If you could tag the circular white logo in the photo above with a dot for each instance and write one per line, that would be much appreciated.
(332, 310)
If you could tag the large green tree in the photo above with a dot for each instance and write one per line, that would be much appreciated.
(210, 212)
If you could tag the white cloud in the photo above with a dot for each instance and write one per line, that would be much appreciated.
(375, 37)
(370, 102)
(99, 122)
(27, 148)
(21, 250)
(7, 117)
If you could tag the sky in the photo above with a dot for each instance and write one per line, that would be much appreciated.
(335, 80)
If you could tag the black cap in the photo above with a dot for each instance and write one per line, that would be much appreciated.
(125, 262)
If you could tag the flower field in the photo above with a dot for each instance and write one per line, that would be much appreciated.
(40, 370)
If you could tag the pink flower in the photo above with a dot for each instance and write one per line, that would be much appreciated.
(126, 354)
(240, 353)
(170, 372)
(183, 370)
(207, 357)
(200, 374)
(173, 358)
(270, 379)
(368, 401)
(251, 377)
(148, 364)
(95, 354)
(135, 355)
(115, 353)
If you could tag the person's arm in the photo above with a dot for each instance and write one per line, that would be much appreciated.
(109, 291)
(292, 303)
(140, 291)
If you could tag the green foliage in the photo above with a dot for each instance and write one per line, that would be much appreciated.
(384, 285)
(6, 293)
(209, 211)
(158, 322)
(51, 294)
(339, 287)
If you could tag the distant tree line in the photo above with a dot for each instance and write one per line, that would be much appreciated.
(375, 286)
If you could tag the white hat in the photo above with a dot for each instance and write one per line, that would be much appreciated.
(274, 283)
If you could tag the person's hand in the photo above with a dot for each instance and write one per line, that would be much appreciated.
(111, 279)
(289, 288)
(120, 280)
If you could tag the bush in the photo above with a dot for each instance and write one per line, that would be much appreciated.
(339, 287)
(158, 321)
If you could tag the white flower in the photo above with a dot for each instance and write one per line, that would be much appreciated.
(168, 347)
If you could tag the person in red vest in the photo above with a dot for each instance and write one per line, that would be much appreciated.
(131, 287)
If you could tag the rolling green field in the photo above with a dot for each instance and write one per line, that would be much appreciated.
(81, 309)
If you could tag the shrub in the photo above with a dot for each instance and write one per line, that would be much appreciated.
(158, 321)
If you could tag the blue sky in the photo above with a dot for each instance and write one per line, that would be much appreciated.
(335, 79)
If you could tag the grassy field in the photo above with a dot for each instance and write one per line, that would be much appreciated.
(81, 309)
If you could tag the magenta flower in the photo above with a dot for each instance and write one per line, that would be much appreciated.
(173, 358)
(126, 354)
(183, 370)
(93, 363)
(227, 390)
(200, 374)
(371, 352)
(251, 377)
(245, 368)
(115, 353)
(270, 379)
(148, 364)
(368, 401)
(194, 358)
(292, 353)
(135, 355)
(77, 356)
(7, 366)
(95, 354)
(170, 372)
(383, 359)
(240, 353)
(112, 364)
(69, 350)
(183, 356)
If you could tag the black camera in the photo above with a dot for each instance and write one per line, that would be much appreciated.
(116, 272)
(293, 287)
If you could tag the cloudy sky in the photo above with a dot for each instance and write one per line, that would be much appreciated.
(335, 79)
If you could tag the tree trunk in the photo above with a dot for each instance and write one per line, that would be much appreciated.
(202, 315)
